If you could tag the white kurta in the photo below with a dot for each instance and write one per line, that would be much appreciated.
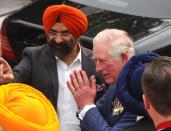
(66, 106)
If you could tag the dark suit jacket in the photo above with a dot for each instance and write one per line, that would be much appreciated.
(145, 124)
(38, 69)
(100, 118)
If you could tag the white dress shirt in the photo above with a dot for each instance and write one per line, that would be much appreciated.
(66, 106)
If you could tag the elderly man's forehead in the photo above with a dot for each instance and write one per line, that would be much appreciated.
(100, 51)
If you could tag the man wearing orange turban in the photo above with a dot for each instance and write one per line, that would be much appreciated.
(47, 67)
(23, 108)
(73, 19)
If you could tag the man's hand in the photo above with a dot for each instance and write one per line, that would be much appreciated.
(83, 89)
(6, 74)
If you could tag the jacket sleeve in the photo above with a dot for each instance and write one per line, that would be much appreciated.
(97, 118)
(93, 121)
(22, 71)
(104, 104)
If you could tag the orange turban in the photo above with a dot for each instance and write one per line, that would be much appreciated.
(73, 19)
(23, 108)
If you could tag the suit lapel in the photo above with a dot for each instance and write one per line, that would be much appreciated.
(49, 61)
(87, 62)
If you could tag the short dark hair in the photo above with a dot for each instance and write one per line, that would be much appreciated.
(156, 84)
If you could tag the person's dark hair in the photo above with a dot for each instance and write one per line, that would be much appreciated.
(156, 84)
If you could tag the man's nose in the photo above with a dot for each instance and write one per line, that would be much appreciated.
(99, 67)
(58, 38)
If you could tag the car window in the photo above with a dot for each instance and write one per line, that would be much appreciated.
(7, 6)
(99, 19)
(145, 8)
(136, 26)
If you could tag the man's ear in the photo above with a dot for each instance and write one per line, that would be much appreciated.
(146, 102)
(124, 57)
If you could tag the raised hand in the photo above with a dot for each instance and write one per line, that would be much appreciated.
(6, 74)
(82, 88)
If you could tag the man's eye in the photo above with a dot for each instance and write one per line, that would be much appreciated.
(52, 33)
(101, 60)
(65, 33)
(95, 60)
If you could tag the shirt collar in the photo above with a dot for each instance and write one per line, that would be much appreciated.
(78, 57)
(163, 125)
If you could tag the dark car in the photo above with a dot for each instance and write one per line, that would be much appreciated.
(24, 28)
(8, 7)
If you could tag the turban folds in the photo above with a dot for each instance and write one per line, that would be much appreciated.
(23, 108)
(128, 85)
(73, 19)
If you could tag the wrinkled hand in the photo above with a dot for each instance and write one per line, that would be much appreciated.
(6, 74)
(83, 89)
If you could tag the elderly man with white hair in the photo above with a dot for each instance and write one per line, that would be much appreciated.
(117, 110)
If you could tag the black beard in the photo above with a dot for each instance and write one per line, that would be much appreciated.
(61, 49)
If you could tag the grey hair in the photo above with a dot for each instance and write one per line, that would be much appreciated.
(118, 42)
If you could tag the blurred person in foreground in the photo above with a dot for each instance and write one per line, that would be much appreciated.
(23, 108)
(47, 67)
(156, 83)
(129, 90)
(112, 48)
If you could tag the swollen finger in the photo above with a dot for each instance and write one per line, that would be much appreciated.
(6, 66)
(4, 62)
(74, 80)
(79, 78)
(93, 82)
(85, 78)
(71, 87)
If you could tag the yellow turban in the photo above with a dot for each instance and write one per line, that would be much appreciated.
(23, 108)
(72, 18)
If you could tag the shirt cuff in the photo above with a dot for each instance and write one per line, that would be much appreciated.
(82, 113)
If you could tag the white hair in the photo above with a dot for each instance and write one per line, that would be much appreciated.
(118, 42)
